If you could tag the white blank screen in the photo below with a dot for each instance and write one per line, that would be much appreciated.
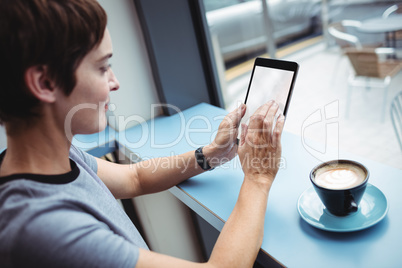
(267, 84)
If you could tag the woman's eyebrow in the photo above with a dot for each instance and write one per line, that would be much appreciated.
(108, 56)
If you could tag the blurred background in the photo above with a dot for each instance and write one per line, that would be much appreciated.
(317, 34)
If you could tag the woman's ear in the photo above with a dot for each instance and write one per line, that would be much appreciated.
(39, 84)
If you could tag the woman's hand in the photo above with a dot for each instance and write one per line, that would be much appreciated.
(224, 146)
(260, 144)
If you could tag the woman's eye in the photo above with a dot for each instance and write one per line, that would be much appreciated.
(106, 68)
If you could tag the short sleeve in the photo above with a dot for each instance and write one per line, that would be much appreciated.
(85, 157)
(81, 241)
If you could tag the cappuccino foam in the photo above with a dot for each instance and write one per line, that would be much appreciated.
(339, 176)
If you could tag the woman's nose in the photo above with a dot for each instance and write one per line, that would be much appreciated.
(113, 82)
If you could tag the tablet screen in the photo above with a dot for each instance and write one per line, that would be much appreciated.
(270, 80)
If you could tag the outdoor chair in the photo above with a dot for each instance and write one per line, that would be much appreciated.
(346, 34)
(372, 69)
(337, 30)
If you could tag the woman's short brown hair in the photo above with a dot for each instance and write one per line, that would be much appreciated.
(52, 33)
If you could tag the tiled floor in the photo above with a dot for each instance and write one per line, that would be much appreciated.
(318, 107)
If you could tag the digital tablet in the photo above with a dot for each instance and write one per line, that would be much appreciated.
(270, 80)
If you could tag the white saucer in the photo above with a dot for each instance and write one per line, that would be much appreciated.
(372, 209)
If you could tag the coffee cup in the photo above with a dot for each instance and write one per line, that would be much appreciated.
(340, 184)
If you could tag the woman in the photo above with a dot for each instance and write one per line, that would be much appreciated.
(57, 203)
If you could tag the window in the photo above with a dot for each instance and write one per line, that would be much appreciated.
(240, 32)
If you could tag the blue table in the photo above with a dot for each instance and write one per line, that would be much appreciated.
(287, 238)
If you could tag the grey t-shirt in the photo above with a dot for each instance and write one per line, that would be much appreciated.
(68, 220)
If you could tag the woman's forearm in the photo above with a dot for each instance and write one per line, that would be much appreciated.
(160, 174)
(241, 237)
